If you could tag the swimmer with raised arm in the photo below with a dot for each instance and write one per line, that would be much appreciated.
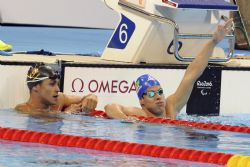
(151, 95)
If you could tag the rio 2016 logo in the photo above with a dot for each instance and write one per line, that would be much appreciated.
(205, 87)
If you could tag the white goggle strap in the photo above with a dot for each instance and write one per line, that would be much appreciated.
(37, 79)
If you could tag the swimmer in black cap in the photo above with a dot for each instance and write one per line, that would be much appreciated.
(150, 93)
(45, 94)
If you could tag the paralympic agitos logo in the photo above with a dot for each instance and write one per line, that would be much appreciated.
(102, 86)
(205, 87)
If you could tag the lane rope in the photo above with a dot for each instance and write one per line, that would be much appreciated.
(202, 125)
(124, 147)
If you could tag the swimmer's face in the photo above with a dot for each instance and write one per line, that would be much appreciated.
(154, 104)
(48, 91)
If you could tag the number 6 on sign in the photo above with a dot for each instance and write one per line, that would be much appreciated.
(122, 34)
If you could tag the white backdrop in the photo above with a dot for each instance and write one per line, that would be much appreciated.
(118, 81)
(13, 89)
(79, 13)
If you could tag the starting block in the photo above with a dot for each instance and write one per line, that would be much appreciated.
(201, 4)
(152, 31)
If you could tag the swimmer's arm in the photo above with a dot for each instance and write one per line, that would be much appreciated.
(196, 68)
(118, 111)
(89, 102)
(68, 100)
(177, 100)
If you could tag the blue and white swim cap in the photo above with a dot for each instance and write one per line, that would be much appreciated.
(143, 83)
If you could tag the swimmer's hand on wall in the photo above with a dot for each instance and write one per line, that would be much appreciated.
(89, 103)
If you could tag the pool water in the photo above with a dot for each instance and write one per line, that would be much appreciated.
(64, 40)
(93, 41)
(57, 40)
(236, 119)
(28, 154)
(15, 154)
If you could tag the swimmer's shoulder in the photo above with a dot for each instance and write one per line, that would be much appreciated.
(22, 107)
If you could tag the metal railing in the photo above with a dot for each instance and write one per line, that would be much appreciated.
(242, 26)
(178, 35)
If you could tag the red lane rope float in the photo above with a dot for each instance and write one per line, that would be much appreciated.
(210, 126)
(114, 146)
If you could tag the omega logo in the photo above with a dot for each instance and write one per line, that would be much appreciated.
(108, 86)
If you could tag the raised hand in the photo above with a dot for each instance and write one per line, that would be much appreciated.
(222, 30)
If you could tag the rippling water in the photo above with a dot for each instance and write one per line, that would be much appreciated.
(26, 154)
(236, 119)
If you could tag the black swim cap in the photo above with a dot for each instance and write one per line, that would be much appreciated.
(40, 72)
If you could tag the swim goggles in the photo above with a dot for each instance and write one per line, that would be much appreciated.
(152, 93)
(35, 76)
